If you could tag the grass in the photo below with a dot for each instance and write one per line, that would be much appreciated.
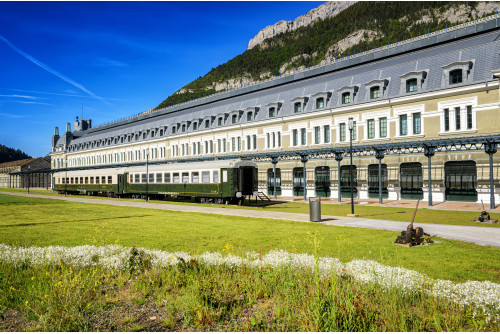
(42, 222)
(194, 297)
(424, 215)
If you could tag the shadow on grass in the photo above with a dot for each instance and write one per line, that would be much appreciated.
(73, 221)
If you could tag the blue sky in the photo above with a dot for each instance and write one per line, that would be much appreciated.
(115, 58)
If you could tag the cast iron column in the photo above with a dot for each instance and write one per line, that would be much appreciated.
(379, 155)
(339, 157)
(350, 172)
(491, 148)
(274, 161)
(429, 153)
(304, 159)
(147, 174)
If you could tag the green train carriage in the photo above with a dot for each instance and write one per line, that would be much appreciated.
(210, 181)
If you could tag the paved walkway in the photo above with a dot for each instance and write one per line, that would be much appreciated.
(487, 236)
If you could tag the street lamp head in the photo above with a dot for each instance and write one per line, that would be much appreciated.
(351, 123)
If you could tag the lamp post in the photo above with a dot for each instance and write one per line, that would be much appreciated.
(66, 175)
(29, 179)
(147, 174)
(351, 125)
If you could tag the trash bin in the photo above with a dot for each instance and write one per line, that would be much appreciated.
(315, 209)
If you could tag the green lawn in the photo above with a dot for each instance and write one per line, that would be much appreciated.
(424, 215)
(41, 222)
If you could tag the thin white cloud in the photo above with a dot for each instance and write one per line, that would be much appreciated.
(52, 71)
(68, 93)
(23, 96)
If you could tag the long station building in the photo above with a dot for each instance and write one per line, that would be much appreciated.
(422, 116)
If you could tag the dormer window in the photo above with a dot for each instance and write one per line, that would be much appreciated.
(456, 77)
(144, 135)
(219, 121)
(297, 107)
(234, 119)
(320, 103)
(207, 124)
(375, 92)
(272, 112)
(183, 127)
(249, 116)
(411, 85)
(173, 129)
(346, 98)
(195, 126)
(161, 133)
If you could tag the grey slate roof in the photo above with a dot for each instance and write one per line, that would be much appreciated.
(481, 49)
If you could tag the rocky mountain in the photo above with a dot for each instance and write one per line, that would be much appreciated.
(332, 30)
(326, 10)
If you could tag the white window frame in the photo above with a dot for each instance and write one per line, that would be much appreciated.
(451, 105)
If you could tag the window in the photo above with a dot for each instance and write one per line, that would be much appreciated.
(326, 133)
(195, 126)
(161, 134)
(411, 85)
(297, 107)
(249, 143)
(249, 116)
(303, 138)
(371, 128)
(239, 143)
(151, 178)
(195, 177)
(268, 137)
(211, 146)
(219, 145)
(173, 129)
(272, 112)
(279, 139)
(234, 119)
(137, 178)
(295, 134)
(447, 119)
(375, 92)
(224, 144)
(205, 177)
(233, 144)
(175, 178)
(320, 103)
(403, 125)
(143, 178)
(354, 131)
(158, 178)
(417, 128)
(342, 134)
(456, 77)
(215, 176)
(96, 180)
(317, 134)
(346, 98)
(183, 127)
(144, 135)
(207, 124)
(166, 177)
(469, 117)
(219, 121)
(457, 118)
(254, 142)
(185, 177)
(383, 126)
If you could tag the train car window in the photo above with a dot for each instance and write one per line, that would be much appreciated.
(143, 178)
(76, 180)
(215, 176)
(91, 180)
(185, 177)
(158, 178)
(175, 177)
(97, 179)
(103, 179)
(81, 180)
(86, 180)
(137, 178)
(205, 177)
(166, 177)
(110, 179)
(72, 180)
(195, 177)
(151, 178)
(224, 176)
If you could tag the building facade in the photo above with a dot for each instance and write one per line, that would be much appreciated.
(33, 172)
(423, 117)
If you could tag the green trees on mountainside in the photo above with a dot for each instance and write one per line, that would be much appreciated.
(9, 154)
(390, 20)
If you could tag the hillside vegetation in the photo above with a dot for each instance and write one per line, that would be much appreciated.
(10, 154)
(356, 28)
